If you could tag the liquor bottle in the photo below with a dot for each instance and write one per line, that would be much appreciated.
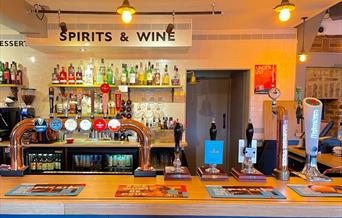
(175, 78)
(7, 75)
(149, 75)
(145, 74)
(132, 75)
(13, 73)
(2, 69)
(59, 104)
(124, 74)
(116, 76)
(79, 76)
(111, 104)
(141, 74)
(109, 75)
(20, 74)
(71, 75)
(101, 73)
(62, 76)
(55, 76)
(156, 77)
(33, 161)
(166, 77)
(88, 73)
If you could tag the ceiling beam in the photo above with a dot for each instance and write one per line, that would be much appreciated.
(17, 15)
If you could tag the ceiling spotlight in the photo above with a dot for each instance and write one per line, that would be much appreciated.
(171, 26)
(83, 49)
(284, 9)
(302, 56)
(62, 25)
(126, 11)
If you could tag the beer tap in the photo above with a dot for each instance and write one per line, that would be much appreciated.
(281, 171)
(248, 151)
(178, 132)
(312, 109)
(213, 130)
(51, 98)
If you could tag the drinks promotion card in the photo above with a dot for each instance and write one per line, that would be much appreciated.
(264, 78)
(255, 192)
(162, 191)
(317, 190)
(46, 190)
(213, 152)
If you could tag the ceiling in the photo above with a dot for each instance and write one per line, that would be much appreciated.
(238, 14)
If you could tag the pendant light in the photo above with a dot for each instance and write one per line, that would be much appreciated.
(126, 11)
(193, 80)
(284, 9)
(302, 56)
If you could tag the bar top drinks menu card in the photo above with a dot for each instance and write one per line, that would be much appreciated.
(317, 190)
(256, 192)
(143, 190)
(28, 189)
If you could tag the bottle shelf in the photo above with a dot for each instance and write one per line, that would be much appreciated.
(9, 85)
(77, 86)
(83, 116)
(116, 86)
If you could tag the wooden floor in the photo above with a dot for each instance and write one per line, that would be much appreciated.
(98, 198)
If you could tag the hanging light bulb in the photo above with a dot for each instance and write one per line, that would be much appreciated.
(284, 15)
(302, 56)
(126, 11)
(284, 9)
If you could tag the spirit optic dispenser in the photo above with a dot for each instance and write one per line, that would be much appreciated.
(312, 108)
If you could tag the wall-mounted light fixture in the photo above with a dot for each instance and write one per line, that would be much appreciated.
(126, 11)
(303, 56)
(62, 25)
(171, 26)
(284, 9)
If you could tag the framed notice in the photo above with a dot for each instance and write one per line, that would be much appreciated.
(264, 78)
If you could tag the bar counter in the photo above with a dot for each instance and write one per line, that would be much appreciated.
(97, 198)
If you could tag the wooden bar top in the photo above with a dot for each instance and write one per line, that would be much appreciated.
(329, 160)
(98, 198)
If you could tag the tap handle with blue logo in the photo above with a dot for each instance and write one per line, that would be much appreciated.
(312, 109)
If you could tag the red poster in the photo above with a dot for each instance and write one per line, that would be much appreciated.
(265, 78)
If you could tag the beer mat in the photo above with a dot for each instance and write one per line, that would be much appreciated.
(161, 191)
(317, 190)
(46, 190)
(254, 192)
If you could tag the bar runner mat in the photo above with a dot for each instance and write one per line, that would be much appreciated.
(142, 190)
(317, 190)
(255, 192)
(28, 189)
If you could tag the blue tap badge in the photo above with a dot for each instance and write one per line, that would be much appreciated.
(56, 124)
(213, 152)
(40, 125)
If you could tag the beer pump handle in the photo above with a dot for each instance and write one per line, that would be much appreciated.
(92, 105)
(213, 131)
(249, 134)
(51, 98)
(312, 110)
(178, 131)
